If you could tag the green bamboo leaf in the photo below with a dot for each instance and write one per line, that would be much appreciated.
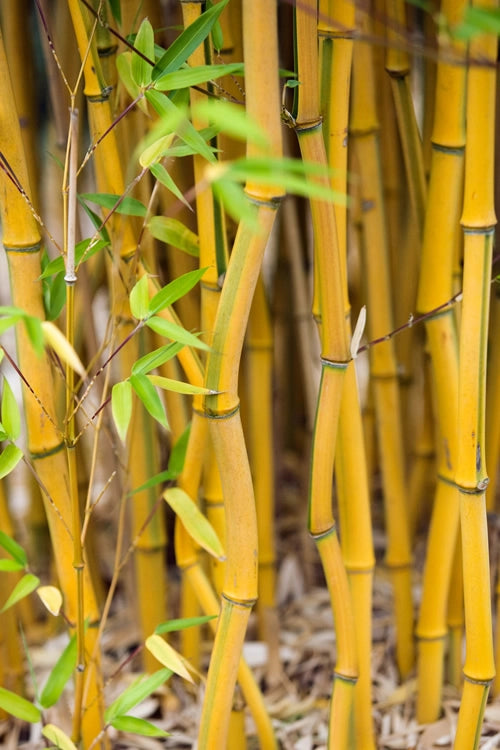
(7, 565)
(9, 321)
(163, 476)
(9, 458)
(129, 206)
(95, 219)
(56, 296)
(60, 675)
(236, 202)
(13, 548)
(35, 333)
(160, 173)
(183, 128)
(167, 656)
(19, 707)
(83, 251)
(174, 232)
(136, 693)
(3, 434)
(193, 520)
(155, 359)
(152, 154)
(183, 623)
(231, 119)
(121, 407)
(176, 333)
(139, 299)
(24, 587)
(178, 453)
(216, 33)
(175, 290)
(116, 10)
(168, 384)
(145, 43)
(150, 398)
(193, 76)
(11, 417)
(137, 726)
(124, 68)
(58, 737)
(188, 41)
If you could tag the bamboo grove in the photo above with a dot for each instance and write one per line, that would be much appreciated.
(237, 230)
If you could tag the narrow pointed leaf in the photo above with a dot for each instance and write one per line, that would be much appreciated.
(193, 520)
(176, 333)
(138, 726)
(160, 173)
(231, 119)
(136, 693)
(9, 321)
(171, 626)
(167, 656)
(163, 476)
(124, 67)
(60, 675)
(121, 407)
(60, 344)
(11, 417)
(51, 598)
(150, 398)
(175, 290)
(184, 128)
(13, 548)
(358, 332)
(58, 737)
(7, 565)
(174, 232)
(156, 358)
(188, 41)
(177, 386)
(139, 299)
(129, 206)
(178, 454)
(144, 42)
(151, 155)
(194, 76)
(9, 458)
(25, 586)
(19, 707)
(35, 333)
(83, 251)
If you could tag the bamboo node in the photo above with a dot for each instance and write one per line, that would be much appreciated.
(475, 681)
(244, 603)
(317, 536)
(336, 365)
(351, 679)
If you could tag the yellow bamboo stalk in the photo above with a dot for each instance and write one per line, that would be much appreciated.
(22, 243)
(435, 287)
(478, 222)
(240, 584)
(350, 461)
(383, 369)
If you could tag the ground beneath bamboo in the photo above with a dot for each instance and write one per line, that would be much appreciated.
(297, 687)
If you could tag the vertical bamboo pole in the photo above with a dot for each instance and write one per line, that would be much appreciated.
(478, 222)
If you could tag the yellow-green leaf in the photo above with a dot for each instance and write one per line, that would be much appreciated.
(178, 386)
(167, 656)
(25, 586)
(174, 232)
(9, 458)
(51, 598)
(195, 523)
(19, 707)
(11, 418)
(121, 407)
(60, 344)
(139, 299)
(60, 675)
(58, 737)
(134, 725)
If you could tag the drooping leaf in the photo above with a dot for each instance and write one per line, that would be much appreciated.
(168, 384)
(51, 598)
(95, 219)
(150, 398)
(139, 299)
(56, 296)
(35, 333)
(19, 707)
(135, 725)
(177, 333)
(236, 202)
(156, 358)
(7, 565)
(231, 119)
(60, 675)
(136, 693)
(24, 587)
(128, 205)
(8, 321)
(151, 155)
(163, 476)
(216, 33)
(144, 42)
(188, 41)
(160, 173)
(116, 9)
(9, 458)
(193, 520)
(83, 251)
(175, 290)
(174, 232)
(183, 127)
(178, 453)
(124, 68)
(172, 626)
(13, 548)
(11, 417)
(58, 737)
(167, 656)
(193, 76)
(60, 344)
(121, 407)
